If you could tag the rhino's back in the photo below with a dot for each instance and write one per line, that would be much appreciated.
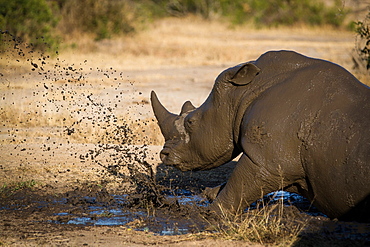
(336, 154)
(279, 63)
(326, 111)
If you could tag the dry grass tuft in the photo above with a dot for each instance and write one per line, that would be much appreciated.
(267, 224)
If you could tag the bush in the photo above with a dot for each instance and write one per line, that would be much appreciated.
(363, 43)
(30, 20)
(263, 13)
(290, 12)
(104, 18)
(204, 8)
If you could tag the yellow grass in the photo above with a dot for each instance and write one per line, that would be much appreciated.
(268, 224)
(193, 42)
(148, 57)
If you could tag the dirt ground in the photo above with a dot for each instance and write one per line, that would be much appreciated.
(72, 125)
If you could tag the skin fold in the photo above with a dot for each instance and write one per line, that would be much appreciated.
(301, 124)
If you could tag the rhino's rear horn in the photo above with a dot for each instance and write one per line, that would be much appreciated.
(187, 106)
(164, 117)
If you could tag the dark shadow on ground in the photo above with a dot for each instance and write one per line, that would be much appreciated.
(325, 232)
(353, 229)
(194, 181)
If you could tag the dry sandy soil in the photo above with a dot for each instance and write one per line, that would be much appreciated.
(55, 117)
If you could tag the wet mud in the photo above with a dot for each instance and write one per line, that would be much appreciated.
(49, 106)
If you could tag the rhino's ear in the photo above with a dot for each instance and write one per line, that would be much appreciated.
(245, 74)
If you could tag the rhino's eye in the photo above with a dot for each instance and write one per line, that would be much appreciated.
(189, 123)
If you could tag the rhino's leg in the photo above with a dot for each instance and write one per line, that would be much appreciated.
(211, 192)
(247, 183)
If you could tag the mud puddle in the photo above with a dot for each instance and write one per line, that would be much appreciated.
(114, 215)
(287, 199)
(182, 211)
(121, 213)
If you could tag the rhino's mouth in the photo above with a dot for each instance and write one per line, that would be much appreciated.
(169, 158)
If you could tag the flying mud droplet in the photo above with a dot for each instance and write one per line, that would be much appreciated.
(59, 95)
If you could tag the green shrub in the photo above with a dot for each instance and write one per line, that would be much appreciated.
(363, 41)
(204, 8)
(104, 18)
(290, 12)
(34, 20)
(263, 12)
(30, 20)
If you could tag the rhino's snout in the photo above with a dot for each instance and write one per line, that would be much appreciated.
(169, 157)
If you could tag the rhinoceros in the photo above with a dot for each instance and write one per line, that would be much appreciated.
(300, 124)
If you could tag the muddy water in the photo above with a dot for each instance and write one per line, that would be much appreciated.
(119, 214)
(117, 210)
(115, 214)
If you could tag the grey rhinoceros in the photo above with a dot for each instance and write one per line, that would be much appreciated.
(301, 124)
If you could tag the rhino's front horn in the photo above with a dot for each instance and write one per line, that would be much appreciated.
(164, 117)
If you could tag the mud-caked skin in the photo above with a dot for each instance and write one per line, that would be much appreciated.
(301, 124)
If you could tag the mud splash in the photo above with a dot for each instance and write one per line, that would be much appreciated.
(74, 103)
(96, 107)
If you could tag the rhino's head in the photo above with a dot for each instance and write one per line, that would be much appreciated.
(203, 138)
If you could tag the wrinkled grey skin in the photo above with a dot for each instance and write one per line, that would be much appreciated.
(301, 124)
